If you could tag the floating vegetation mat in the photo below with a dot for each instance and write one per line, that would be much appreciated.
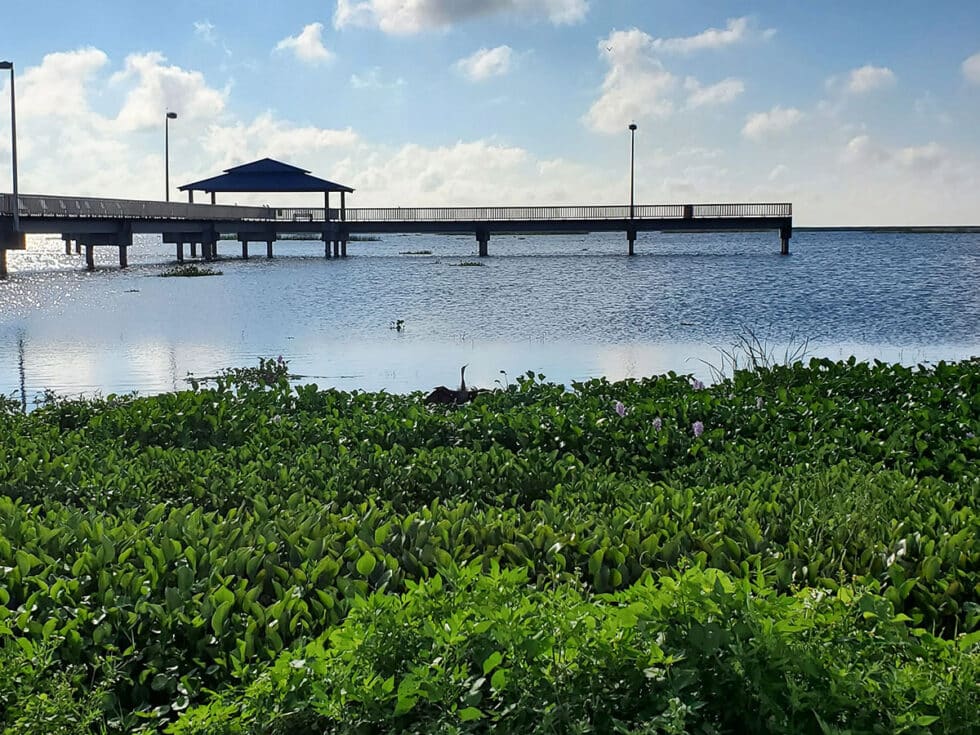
(791, 550)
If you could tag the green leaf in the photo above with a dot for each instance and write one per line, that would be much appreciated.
(469, 714)
(366, 564)
(219, 617)
(492, 661)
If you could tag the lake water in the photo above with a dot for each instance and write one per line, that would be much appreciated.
(570, 307)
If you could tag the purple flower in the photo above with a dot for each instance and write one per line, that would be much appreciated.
(620, 408)
(759, 403)
(698, 428)
(697, 384)
(658, 424)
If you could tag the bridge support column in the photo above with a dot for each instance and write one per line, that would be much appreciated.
(193, 249)
(124, 242)
(336, 248)
(631, 239)
(785, 234)
(3, 262)
(244, 249)
(326, 248)
(483, 238)
(268, 248)
(180, 251)
(67, 245)
(343, 248)
(78, 247)
(90, 257)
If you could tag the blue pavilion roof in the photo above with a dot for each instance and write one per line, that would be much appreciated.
(265, 175)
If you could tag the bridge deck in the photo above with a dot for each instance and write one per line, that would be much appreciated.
(95, 222)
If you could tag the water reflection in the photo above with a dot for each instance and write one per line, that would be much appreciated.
(540, 304)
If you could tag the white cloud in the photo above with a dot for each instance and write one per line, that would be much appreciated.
(765, 124)
(204, 29)
(229, 145)
(59, 86)
(372, 79)
(778, 172)
(738, 30)
(308, 45)
(971, 68)
(721, 93)
(923, 158)
(636, 87)
(869, 78)
(159, 88)
(413, 16)
(486, 63)
(861, 150)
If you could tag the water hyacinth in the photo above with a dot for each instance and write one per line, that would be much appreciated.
(698, 428)
(620, 408)
(658, 424)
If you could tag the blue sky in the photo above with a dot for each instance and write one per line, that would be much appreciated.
(858, 113)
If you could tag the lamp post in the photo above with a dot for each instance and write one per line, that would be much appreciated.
(13, 139)
(632, 156)
(166, 143)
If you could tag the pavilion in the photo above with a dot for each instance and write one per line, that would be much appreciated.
(269, 176)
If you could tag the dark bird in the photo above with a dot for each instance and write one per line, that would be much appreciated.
(448, 396)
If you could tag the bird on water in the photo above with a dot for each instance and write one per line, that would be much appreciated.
(445, 395)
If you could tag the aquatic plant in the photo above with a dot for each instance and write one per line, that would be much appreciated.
(810, 559)
(189, 271)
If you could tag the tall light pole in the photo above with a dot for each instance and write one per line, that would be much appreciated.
(632, 156)
(166, 154)
(13, 139)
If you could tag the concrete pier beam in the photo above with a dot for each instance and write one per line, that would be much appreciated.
(631, 239)
(785, 234)
(244, 249)
(123, 256)
(483, 238)
(268, 248)
(336, 248)
(180, 252)
(193, 249)
(90, 257)
(343, 248)
(67, 245)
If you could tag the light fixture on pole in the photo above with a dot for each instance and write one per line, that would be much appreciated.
(13, 139)
(632, 155)
(166, 154)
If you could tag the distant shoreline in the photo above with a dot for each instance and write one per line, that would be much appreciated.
(921, 230)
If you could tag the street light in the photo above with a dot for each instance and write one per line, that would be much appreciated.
(632, 155)
(166, 143)
(13, 139)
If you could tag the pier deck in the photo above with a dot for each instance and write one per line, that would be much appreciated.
(91, 222)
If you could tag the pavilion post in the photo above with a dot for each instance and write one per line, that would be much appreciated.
(343, 207)
(213, 200)
(326, 206)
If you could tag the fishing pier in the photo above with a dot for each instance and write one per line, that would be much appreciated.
(86, 223)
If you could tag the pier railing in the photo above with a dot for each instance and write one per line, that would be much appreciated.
(35, 205)
(531, 214)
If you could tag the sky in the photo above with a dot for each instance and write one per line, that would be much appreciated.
(858, 113)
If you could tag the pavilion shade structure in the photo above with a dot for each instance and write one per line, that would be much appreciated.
(266, 176)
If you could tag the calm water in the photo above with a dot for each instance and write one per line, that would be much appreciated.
(570, 307)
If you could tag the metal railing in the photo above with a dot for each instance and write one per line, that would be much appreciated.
(531, 214)
(35, 205)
